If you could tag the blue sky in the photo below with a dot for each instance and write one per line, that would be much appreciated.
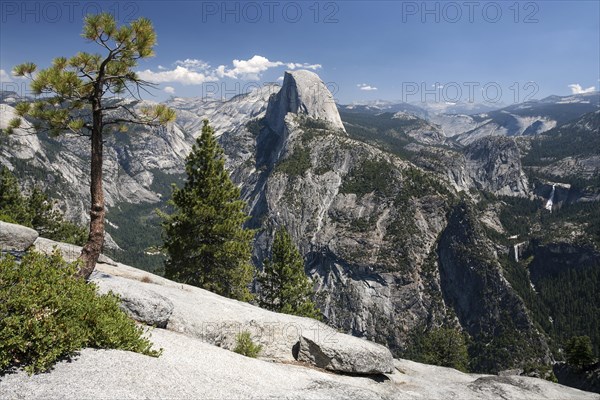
(396, 50)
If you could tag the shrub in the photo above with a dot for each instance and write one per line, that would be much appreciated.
(46, 313)
(245, 346)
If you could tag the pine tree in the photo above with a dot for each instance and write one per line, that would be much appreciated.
(284, 287)
(72, 95)
(445, 347)
(13, 207)
(579, 351)
(205, 240)
(36, 211)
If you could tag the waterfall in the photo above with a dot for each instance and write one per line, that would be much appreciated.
(516, 247)
(550, 201)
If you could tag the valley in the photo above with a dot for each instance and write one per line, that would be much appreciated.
(408, 220)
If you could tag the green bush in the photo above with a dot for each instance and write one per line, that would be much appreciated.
(46, 313)
(245, 346)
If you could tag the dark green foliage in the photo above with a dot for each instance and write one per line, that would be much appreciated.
(138, 234)
(579, 352)
(284, 287)
(581, 139)
(139, 227)
(245, 346)
(518, 277)
(35, 211)
(518, 214)
(313, 128)
(205, 239)
(442, 346)
(566, 276)
(503, 348)
(295, 164)
(417, 184)
(46, 313)
(370, 176)
(382, 131)
(572, 297)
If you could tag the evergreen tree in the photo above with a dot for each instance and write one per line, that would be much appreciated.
(284, 287)
(443, 346)
(72, 95)
(205, 240)
(579, 351)
(36, 211)
(13, 207)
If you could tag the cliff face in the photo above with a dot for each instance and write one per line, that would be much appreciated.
(374, 204)
(473, 282)
(376, 233)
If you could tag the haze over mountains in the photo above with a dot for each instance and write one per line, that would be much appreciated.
(408, 219)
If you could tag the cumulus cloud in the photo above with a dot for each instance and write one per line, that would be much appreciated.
(577, 89)
(193, 64)
(180, 74)
(169, 89)
(314, 67)
(5, 77)
(280, 79)
(364, 86)
(248, 69)
(196, 72)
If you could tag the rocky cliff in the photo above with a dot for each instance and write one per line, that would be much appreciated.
(403, 229)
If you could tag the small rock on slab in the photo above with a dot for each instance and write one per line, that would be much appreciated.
(140, 303)
(70, 252)
(347, 354)
(16, 237)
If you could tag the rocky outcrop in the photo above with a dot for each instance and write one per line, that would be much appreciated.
(303, 93)
(16, 237)
(217, 320)
(140, 302)
(70, 252)
(494, 165)
(347, 354)
(192, 369)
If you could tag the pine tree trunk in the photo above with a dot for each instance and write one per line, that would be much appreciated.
(92, 249)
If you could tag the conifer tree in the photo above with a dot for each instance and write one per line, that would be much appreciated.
(73, 96)
(284, 287)
(205, 239)
(579, 351)
(36, 211)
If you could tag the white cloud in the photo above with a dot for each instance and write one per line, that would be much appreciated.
(5, 77)
(314, 67)
(179, 74)
(169, 89)
(364, 86)
(193, 64)
(577, 89)
(280, 79)
(196, 72)
(248, 69)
